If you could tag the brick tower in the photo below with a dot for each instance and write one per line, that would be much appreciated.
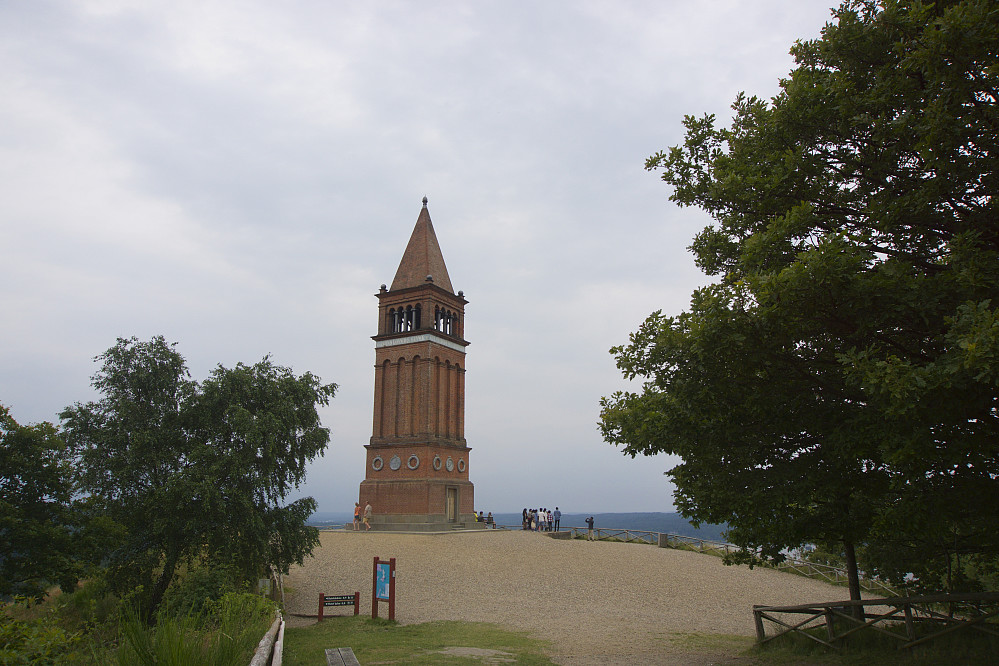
(417, 462)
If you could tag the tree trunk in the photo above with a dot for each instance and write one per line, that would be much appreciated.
(169, 566)
(853, 578)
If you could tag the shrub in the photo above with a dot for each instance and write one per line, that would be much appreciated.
(225, 632)
(190, 594)
(38, 641)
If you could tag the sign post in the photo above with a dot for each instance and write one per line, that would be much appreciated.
(329, 600)
(383, 586)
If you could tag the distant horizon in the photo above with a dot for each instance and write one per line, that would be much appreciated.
(573, 512)
(667, 522)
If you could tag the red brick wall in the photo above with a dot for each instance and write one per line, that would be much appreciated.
(414, 497)
(425, 470)
(419, 391)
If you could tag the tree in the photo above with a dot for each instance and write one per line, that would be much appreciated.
(197, 471)
(37, 521)
(838, 382)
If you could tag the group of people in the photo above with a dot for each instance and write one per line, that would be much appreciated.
(357, 515)
(541, 520)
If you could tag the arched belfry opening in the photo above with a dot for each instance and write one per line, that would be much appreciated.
(417, 463)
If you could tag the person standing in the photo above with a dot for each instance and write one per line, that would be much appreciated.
(367, 515)
(589, 528)
(357, 516)
(557, 516)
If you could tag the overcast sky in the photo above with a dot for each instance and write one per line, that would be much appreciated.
(240, 177)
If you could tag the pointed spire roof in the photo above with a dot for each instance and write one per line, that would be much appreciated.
(422, 257)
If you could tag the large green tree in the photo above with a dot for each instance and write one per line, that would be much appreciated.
(197, 470)
(38, 524)
(839, 380)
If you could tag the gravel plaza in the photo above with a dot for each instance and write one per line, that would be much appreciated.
(596, 602)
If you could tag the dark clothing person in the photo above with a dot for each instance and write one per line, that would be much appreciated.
(557, 517)
(589, 528)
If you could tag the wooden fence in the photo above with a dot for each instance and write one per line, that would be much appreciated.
(628, 536)
(910, 621)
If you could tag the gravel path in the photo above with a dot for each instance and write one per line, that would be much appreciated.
(597, 602)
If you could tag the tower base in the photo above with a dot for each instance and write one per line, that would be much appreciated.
(427, 523)
(420, 505)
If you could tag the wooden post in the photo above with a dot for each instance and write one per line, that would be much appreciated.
(392, 589)
(374, 588)
(761, 634)
(357, 603)
(322, 602)
(910, 629)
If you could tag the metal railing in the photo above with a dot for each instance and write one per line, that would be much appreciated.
(814, 570)
(604, 534)
(832, 574)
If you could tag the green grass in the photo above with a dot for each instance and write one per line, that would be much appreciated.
(868, 647)
(699, 642)
(384, 642)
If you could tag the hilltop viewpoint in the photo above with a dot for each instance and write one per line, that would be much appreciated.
(595, 602)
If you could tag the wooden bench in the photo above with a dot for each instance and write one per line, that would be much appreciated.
(341, 657)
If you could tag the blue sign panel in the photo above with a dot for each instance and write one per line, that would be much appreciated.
(382, 581)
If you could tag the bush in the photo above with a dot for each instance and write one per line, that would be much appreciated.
(225, 632)
(241, 607)
(38, 641)
(190, 594)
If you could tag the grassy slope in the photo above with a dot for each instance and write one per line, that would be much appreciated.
(381, 641)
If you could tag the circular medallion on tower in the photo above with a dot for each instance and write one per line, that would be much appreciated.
(413, 462)
(377, 463)
(449, 464)
(395, 463)
(461, 464)
(437, 463)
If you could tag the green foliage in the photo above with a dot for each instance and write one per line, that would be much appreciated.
(36, 641)
(202, 585)
(37, 520)
(225, 633)
(196, 471)
(93, 612)
(839, 382)
(828, 555)
(94, 626)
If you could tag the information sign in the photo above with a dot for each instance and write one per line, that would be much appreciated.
(382, 579)
(331, 600)
(338, 600)
(383, 586)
